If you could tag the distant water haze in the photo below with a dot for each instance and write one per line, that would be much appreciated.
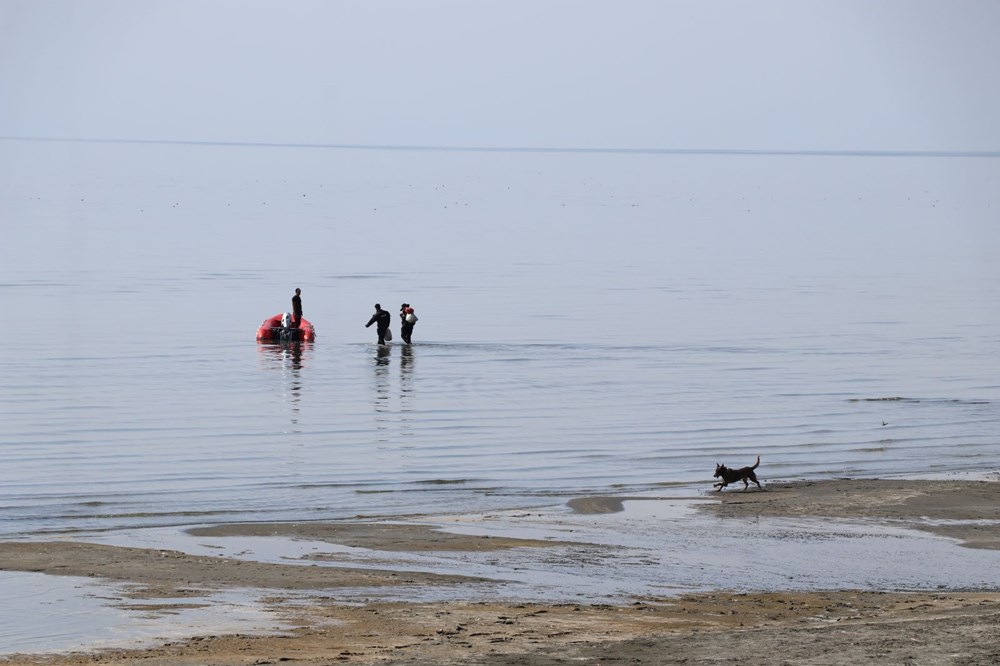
(897, 75)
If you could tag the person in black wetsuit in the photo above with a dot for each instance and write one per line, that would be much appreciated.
(296, 309)
(406, 327)
(381, 319)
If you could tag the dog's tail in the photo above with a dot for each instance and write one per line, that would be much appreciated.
(756, 463)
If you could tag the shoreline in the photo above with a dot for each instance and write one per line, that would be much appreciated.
(322, 625)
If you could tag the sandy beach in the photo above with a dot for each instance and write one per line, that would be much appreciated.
(946, 626)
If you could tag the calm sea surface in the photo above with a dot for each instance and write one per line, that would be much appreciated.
(589, 323)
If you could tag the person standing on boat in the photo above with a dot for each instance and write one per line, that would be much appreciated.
(408, 318)
(297, 308)
(381, 319)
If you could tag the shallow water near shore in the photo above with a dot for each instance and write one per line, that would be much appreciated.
(651, 547)
(590, 324)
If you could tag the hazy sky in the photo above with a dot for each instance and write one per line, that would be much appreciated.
(761, 74)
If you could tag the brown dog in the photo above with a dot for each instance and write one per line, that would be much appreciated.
(734, 475)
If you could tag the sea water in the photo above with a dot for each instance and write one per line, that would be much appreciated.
(589, 322)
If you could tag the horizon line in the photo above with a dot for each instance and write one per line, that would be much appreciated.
(815, 152)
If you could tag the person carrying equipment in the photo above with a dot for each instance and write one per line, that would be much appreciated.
(381, 319)
(409, 318)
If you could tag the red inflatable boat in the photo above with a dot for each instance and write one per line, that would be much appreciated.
(273, 330)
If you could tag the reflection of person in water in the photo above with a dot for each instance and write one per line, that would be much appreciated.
(294, 353)
(381, 319)
(406, 359)
(383, 354)
(405, 369)
(296, 309)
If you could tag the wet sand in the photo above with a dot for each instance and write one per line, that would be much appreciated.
(837, 627)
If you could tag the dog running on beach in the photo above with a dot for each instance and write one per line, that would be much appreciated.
(733, 475)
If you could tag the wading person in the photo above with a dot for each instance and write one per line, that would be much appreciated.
(381, 319)
(409, 318)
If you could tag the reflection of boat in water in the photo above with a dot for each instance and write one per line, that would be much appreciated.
(276, 329)
(288, 359)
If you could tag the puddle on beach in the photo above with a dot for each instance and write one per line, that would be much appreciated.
(64, 613)
(619, 550)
